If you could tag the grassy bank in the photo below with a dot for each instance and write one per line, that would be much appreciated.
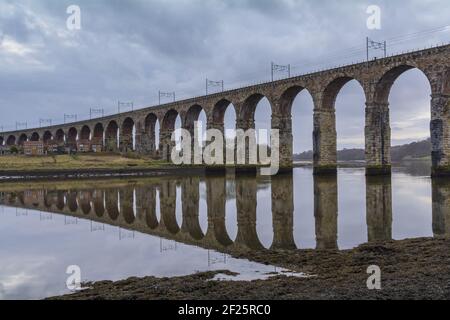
(76, 162)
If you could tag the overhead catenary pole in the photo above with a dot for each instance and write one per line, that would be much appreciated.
(124, 104)
(44, 121)
(210, 83)
(70, 116)
(271, 69)
(96, 111)
(367, 48)
(279, 68)
(371, 44)
(166, 95)
(21, 124)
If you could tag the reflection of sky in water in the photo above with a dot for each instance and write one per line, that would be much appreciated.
(411, 201)
(35, 254)
(37, 246)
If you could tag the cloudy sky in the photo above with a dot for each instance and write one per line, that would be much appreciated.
(128, 50)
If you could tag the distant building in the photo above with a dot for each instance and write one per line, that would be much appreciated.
(97, 145)
(33, 148)
(89, 146)
(84, 146)
(52, 148)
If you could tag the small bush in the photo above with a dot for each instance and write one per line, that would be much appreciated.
(14, 150)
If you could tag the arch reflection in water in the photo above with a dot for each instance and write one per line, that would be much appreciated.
(441, 207)
(326, 211)
(379, 208)
(133, 206)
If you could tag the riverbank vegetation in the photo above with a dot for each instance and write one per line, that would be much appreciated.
(417, 150)
(76, 161)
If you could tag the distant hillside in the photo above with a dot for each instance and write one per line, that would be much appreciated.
(398, 153)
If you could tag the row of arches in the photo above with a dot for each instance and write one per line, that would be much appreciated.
(366, 112)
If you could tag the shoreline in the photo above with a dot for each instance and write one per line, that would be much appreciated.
(151, 170)
(89, 173)
(410, 269)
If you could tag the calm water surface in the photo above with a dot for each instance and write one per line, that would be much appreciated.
(172, 226)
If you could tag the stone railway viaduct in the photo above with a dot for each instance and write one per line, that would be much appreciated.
(376, 78)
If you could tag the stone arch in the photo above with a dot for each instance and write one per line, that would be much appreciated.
(246, 204)
(85, 133)
(192, 115)
(332, 90)
(190, 196)
(11, 140)
(219, 110)
(216, 199)
(22, 138)
(111, 136)
(60, 200)
(248, 108)
(85, 201)
(34, 136)
(324, 134)
(149, 197)
(165, 136)
(335, 99)
(387, 80)
(246, 120)
(148, 140)
(59, 136)
(126, 196)
(112, 203)
(72, 135)
(126, 136)
(221, 121)
(98, 200)
(287, 99)
(48, 137)
(284, 115)
(72, 201)
(378, 120)
(168, 202)
(168, 123)
(98, 132)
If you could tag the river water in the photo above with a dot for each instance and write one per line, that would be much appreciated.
(173, 226)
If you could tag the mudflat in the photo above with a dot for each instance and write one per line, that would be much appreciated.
(410, 269)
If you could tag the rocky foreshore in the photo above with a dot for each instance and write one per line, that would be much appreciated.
(410, 269)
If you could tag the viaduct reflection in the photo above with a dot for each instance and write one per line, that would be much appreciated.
(134, 206)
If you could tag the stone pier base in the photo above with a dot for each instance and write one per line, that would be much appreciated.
(438, 172)
(214, 170)
(246, 170)
(285, 170)
(325, 170)
(384, 170)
